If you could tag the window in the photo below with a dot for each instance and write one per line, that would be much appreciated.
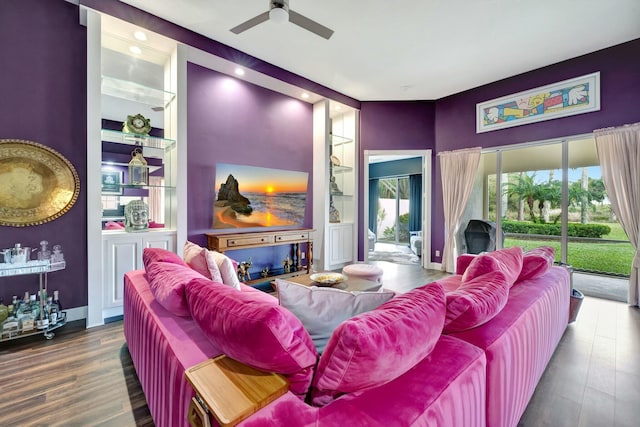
(551, 194)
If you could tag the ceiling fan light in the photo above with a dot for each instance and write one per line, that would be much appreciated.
(278, 15)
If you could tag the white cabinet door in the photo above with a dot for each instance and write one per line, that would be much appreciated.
(121, 256)
(161, 241)
(340, 245)
(123, 253)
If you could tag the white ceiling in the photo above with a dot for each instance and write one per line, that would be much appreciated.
(412, 49)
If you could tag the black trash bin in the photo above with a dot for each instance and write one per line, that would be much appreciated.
(574, 304)
(575, 297)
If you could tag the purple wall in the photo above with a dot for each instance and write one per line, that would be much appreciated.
(399, 125)
(232, 121)
(43, 81)
(455, 115)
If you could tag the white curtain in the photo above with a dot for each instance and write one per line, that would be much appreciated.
(156, 199)
(458, 171)
(619, 155)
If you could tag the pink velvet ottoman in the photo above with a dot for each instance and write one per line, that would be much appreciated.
(363, 271)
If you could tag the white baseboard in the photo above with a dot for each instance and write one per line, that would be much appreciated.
(435, 266)
(81, 313)
(76, 313)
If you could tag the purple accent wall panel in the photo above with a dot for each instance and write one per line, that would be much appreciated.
(232, 121)
(619, 92)
(397, 125)
(43, 81)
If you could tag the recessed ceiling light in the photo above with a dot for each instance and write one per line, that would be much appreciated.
(139, 35)
(239, 71)
(304, 95)
(135, 49)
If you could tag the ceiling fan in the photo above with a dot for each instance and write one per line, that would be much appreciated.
(279, 12)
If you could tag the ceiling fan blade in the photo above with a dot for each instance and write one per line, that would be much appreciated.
(250, 23)
(310, 25)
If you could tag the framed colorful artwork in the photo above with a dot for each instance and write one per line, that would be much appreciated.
(566, 98)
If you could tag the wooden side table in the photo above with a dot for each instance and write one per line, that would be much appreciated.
(230, 391)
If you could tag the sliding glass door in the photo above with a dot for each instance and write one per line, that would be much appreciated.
(393, 210)
(552, 194)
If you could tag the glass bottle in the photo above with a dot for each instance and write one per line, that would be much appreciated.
(54, 314)
(35, 306)
(44, 253)
(56, 300)
(4, 311)
(52, 311)
(15, 303)
(10, 327)
(25, 316)
(42, 322)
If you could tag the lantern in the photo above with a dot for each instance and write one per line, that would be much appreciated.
(138, 170)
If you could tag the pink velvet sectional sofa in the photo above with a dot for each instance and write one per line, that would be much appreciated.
(464, 351)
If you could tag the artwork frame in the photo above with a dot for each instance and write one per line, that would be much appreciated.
(112, 182)
(570, 97)
(256, 197)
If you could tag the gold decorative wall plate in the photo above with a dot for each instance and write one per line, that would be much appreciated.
(37, 184)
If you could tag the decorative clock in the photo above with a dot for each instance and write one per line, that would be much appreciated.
(137, 124)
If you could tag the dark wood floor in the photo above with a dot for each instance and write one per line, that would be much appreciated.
(82, 377)
(86, 378)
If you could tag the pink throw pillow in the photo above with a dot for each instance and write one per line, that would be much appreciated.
(224, 264)
(378, 346)
(508, 260)
(167, 282)
(196, 257)
(254, 332)
(113, 226)
(536, 262)
(463, 261)
(150, 255)
(476, 302)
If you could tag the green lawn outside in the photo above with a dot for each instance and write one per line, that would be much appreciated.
(617, 233)
(612, 258)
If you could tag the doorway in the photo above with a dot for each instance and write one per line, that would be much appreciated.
(405, 188)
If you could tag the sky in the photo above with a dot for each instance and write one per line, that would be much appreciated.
(574, 174)
(253, 179)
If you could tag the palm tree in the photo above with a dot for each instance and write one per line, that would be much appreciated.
(548, 194)
(525, 189)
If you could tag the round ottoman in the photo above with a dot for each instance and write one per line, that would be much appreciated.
(364, 271)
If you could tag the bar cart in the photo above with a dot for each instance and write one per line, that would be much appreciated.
(42, 268)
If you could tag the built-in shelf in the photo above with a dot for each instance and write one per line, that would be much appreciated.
(339, 140)
(152, 168)
(140, 187)
(156, 98)
(139, 140)
(340, 169)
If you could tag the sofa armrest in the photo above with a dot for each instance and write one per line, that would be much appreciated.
(230, 390)
(463, 262)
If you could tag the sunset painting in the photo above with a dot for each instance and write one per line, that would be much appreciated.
(250, 196)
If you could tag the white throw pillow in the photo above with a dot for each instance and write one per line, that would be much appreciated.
(322, 309)
(225, 266)
(196, 257)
